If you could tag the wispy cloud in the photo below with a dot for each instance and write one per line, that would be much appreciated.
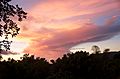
(3, 52)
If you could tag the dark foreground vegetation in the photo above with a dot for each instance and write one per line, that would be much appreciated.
(79, 65)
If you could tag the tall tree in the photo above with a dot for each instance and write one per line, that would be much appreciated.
(7, 26)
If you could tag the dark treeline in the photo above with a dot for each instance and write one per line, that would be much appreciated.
(79, 65)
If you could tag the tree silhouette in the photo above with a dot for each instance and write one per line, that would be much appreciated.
(7, 25)
(78, 65)
(1, 57)
(95, 49)
(106, 50)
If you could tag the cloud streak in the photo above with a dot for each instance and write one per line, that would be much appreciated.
(3, 52)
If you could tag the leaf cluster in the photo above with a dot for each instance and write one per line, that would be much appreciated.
(7, 25)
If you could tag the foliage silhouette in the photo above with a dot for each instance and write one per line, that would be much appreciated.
(95, 49)
(79, 65)
(7, 25)
(106, 50)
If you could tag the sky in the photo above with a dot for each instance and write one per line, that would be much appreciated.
(53, 27)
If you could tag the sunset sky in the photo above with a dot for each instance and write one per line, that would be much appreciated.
(55, 26)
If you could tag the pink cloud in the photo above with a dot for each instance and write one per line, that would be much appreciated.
(61, 9)
(63, 40)
(57, 25)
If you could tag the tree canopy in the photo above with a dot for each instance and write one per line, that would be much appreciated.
(95, 49)
(79, 65)
(7, 25)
